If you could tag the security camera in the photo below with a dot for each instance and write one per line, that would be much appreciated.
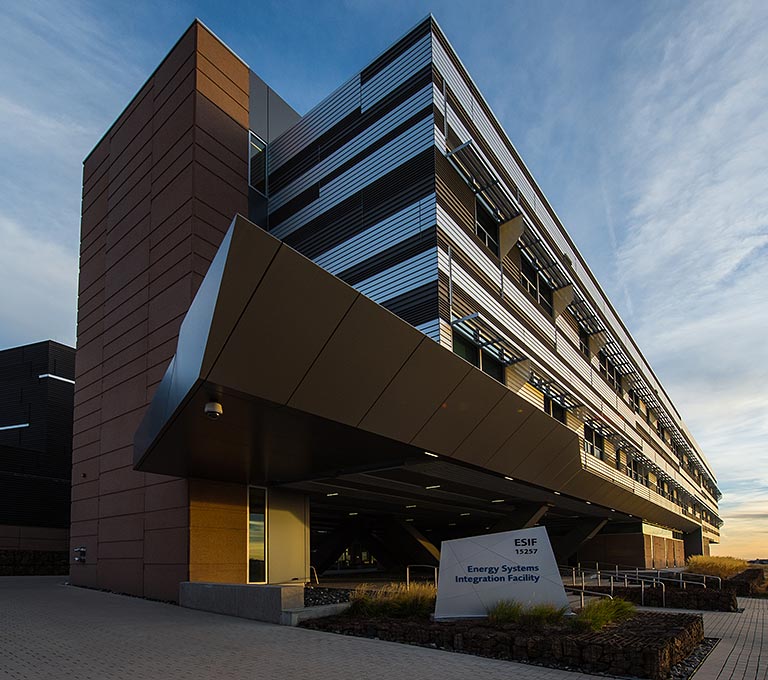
(214, 410)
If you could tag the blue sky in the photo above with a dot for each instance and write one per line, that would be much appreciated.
(646, 124)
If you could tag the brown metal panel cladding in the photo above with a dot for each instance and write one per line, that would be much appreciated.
(292, 352)
(501, 423)
(461, 412)
(226, 70)
(416, 392)
(561, 445)
(357, 381)
(230, 138)
(139, 182)
(219, 55)
(251, 253)
(212, 73)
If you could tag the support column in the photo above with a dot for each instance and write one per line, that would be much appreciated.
(585, 530)
(523, 518)
(693, 543)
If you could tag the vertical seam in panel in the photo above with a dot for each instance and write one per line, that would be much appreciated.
(386, 387)
(245, 306)
(325, 344)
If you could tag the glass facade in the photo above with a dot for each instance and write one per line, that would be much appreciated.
(257, 535)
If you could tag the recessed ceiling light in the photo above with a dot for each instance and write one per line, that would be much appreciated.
(335, 493)
(431, 455)
(511, 479)
(612, 510)
(588, 502)
(433, 486)
(451, 524)
(408, 507)
(464, 514)
(497, 500)
(409, 519)
(557, 493)
(352, 514)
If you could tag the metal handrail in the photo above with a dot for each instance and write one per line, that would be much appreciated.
(583, 592)
(312, 570)
(642, 581)
(704, 577)
(637, 573)
(422, 566)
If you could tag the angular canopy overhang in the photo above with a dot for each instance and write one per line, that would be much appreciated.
(317, 380)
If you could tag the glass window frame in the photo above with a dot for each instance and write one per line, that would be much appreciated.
(553, 409)
(265, 493)
(535, 284)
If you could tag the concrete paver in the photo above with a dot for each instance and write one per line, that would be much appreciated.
(742, 652)
(49, 630)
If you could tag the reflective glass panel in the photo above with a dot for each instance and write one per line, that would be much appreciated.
(256, 535)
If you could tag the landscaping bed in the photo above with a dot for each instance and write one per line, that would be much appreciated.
(693, 597)
(316, 596)
(748, 583)
(647, 645)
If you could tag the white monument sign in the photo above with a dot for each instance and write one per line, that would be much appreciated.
(477, 572)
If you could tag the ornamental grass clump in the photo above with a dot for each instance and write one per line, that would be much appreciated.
(394, 600)
(712, 565)
(534, 616)
(597, 614)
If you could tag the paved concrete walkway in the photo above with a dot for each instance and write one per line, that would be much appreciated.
(48, 630)
(743, 648)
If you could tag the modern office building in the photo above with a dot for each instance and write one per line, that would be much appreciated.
(350, 334)
(36, 400)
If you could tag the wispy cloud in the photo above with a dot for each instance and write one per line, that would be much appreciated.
(64, 73)
(693, 256)
(40, 285)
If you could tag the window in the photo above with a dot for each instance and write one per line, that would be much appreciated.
(257, 542)
(584, 343)
(638, 471)
(486, 227)
(493, 367)
(634, 401)
(257, 164)
(594, 443)
(609, 372)
(552, 408)
(537, 286)
(466, 349)
(485, 361)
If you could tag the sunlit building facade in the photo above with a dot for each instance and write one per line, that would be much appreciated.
(338, 339)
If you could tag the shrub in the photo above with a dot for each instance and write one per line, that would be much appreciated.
(393, 600)
(599, 613)
(534, 616)
(724, 567)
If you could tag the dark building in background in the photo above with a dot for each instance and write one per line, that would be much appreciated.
(36, 401)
